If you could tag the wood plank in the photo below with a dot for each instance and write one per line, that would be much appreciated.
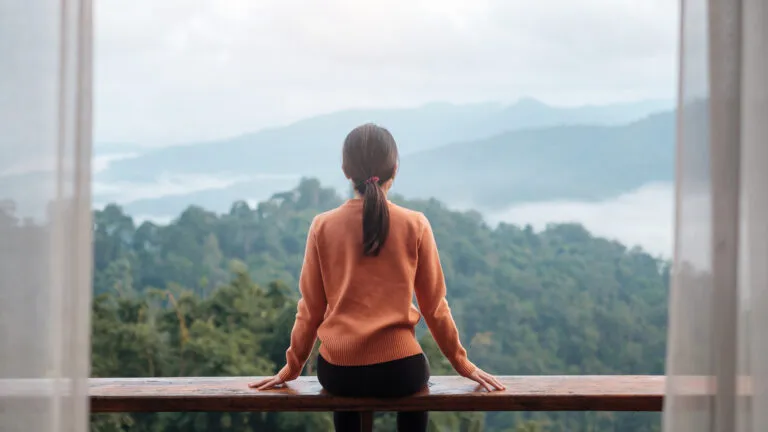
(446, 393)
(366, 421)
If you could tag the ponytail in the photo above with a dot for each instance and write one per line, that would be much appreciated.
(369, 159)
(375, 216)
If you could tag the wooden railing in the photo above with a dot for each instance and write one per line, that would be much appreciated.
(523, 393)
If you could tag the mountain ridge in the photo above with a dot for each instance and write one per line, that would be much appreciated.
(578, 162)
(428, 137)
(306, 143)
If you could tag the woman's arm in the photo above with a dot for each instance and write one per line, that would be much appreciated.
(310, 311)
(430, 293)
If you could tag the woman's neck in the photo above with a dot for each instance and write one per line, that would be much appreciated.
(385, 188)
(360, 197)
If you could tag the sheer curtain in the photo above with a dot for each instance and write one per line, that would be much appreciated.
(45, 222)
(717, 363)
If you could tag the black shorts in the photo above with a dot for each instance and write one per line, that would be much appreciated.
(397, 378)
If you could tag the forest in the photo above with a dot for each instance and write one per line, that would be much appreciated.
(215, 294)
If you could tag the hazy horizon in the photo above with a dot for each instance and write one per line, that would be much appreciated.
(107, 151)
(641, 217)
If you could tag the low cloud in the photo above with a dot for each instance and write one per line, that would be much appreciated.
(644, 217)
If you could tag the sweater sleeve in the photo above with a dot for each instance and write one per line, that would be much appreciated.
(430, 294)
(310, 311)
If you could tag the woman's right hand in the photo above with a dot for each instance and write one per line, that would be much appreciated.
(488, 381)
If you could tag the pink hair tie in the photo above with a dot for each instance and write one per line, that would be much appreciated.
(372, 180)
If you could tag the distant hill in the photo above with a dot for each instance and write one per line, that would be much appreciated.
(563, 163)
(558, 163)
(308, 146)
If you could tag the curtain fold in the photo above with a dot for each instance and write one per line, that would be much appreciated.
(45, 214)
(717, 357)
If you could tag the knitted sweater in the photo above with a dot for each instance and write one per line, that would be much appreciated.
(361, 308)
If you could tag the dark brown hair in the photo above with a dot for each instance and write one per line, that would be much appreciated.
(369, 160)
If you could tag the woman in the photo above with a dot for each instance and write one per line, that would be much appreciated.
(363, 263)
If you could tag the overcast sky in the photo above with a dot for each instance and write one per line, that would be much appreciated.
(185, 70)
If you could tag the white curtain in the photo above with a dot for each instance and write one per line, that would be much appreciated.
(45, 222)
(717, 364)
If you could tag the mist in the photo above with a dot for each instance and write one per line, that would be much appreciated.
(643, 217)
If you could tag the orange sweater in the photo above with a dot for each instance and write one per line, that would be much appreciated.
(361, 308)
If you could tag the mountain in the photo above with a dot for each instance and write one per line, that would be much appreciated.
(310, 146)
(576, 162)
(559, 163)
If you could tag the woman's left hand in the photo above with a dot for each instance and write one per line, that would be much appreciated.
(267, 384)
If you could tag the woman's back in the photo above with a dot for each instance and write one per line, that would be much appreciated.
(361, 307)
(370, 299)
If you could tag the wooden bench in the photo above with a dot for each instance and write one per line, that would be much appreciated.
(446, 393)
